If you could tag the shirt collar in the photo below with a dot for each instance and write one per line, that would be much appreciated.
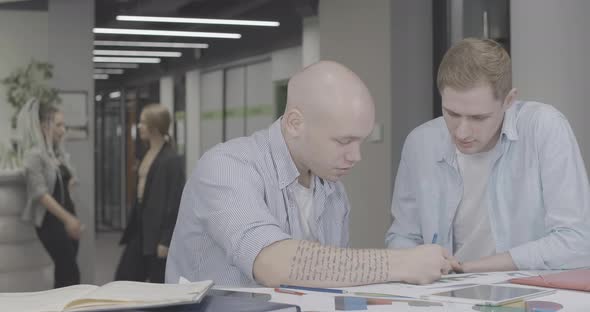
(286, 170)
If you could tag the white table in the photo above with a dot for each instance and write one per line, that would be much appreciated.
(572, 301)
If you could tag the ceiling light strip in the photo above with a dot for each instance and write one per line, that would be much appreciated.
(148, 44)
(138, 53)
(101, 76)
(110, 71)
(169, 33)
(107, 59)
(163, 19)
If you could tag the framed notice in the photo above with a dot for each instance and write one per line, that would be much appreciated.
(74, 105)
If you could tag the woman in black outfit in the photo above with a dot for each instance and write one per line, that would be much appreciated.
(49, 178)
(160, 180)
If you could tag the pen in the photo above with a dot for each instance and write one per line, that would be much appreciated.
(434, 238)
(326, 290)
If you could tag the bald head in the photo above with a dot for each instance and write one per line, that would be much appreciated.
(327, 87)
(328, 115)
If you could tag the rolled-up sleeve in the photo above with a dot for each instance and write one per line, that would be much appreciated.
(230, 203)
(566, 199)
(36, 183)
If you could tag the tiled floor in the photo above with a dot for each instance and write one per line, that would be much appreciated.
(108, 252)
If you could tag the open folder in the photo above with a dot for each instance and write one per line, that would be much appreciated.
(573, 279)
(112, 296)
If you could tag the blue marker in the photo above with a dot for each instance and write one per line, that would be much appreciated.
(434, 238)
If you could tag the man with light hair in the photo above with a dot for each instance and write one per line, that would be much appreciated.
(269, 209)
(498, 182)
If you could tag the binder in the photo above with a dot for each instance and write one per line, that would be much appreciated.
(572, 280)
(229, 304)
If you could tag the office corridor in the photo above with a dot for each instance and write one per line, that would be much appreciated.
(108, 253)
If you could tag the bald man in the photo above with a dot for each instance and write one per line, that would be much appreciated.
(269, 209)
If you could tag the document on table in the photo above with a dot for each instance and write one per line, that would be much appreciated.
(447, 282)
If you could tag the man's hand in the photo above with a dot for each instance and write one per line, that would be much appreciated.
(495, 263)
(162, 251)
(458, 266)
(424, 264)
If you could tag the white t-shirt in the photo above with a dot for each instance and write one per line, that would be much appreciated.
(472, 234)
(304, 199)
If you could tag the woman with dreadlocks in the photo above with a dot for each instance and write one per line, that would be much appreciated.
(49, 177)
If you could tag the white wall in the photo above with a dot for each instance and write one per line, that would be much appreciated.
(211, 92)
(358, 35)
(310, 43)
(70, 51)
(23, 36)
(411, 66)
(205, 89)
(388, 44)
(285, 63)
(550, 47)
(193, 119)
(261, 109)
(63, 36)
(235, 101)
(167, 98)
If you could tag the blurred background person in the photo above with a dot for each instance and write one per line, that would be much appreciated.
(160, 180)
(49, 177)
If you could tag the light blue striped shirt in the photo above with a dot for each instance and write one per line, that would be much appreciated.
(538, 195)
(239, 200)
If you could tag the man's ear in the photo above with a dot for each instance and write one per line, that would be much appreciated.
(293, 122)
(510, 98)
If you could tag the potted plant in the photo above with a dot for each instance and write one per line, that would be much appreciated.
(30, 82)
(25, 264)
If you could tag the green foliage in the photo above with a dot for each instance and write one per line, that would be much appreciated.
(27, 82)
(9, 158)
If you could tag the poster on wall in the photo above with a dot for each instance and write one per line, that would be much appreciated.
(74, 105)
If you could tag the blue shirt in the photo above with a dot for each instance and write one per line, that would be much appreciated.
(238, 201)
(537, 195)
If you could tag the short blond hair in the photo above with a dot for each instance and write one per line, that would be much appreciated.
(157, 117)
(473, 62)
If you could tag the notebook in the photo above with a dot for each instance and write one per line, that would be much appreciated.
(572, 279)
(112, 296)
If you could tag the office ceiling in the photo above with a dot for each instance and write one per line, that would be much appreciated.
(254, 40)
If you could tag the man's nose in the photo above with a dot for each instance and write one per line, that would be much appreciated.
(463, 130)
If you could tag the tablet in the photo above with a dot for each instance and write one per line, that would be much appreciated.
(491, 295)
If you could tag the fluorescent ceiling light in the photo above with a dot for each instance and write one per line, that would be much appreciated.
(106, 59)
(116, 65)
(98, 97)
(101, 76)
(138, 53)
(170, 33)
(151, 44)
(110, 71)
(162, 19)
(115, 94)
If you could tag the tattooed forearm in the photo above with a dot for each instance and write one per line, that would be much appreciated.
(313, 262)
